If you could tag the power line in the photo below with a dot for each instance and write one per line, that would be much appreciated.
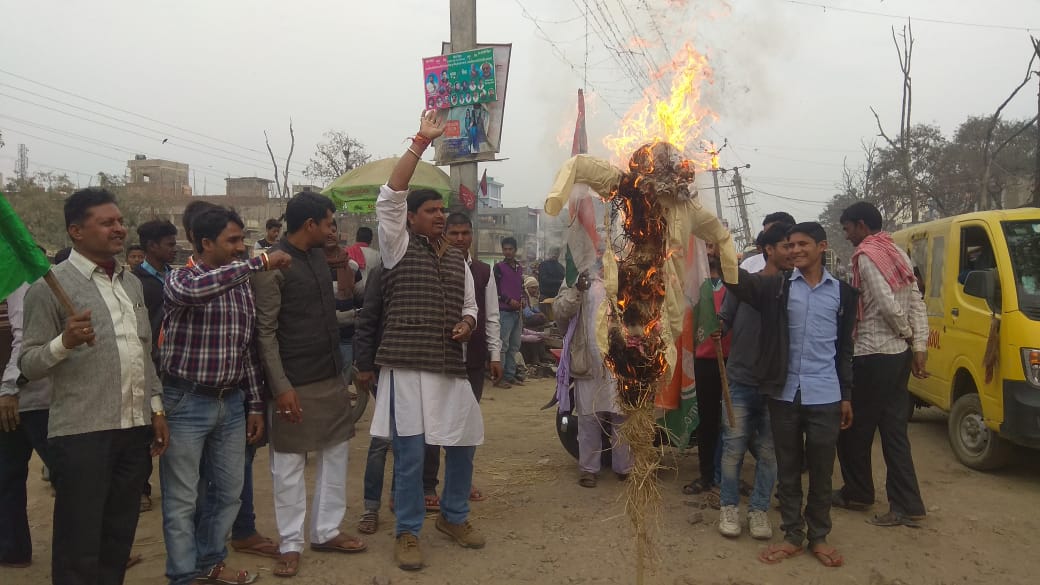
(653, 24)
(244, 162)
(142, 116)
(560, 55)
(827, 7)
(786, 197)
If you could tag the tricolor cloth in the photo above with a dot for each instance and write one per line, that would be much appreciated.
(21, 260)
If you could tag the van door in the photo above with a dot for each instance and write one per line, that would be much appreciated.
(969, 318)
(936, 387)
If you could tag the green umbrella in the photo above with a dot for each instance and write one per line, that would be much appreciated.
(356, 190)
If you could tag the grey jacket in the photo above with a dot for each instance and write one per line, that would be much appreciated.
(86, 386)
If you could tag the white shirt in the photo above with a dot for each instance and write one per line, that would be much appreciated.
(492, 327)
(131, 353)
(891, 321)
(436, 405)
(753, 264)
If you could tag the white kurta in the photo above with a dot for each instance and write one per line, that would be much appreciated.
(598, 392)
(439, 406)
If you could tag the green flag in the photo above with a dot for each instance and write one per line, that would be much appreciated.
(706, 318)
(21, 260)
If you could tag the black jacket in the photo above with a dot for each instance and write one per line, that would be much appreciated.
(153, 300)
(769, 294)
(368, 329)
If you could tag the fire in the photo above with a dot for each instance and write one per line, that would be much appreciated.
(677, 118)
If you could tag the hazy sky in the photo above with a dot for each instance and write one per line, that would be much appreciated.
(793, 82)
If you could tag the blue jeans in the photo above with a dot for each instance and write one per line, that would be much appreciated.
(207, 444)
(346, 350)
(245, 521)
(511, 330)
(409, 505)
(751, 413)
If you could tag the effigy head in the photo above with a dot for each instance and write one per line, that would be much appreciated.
(660, 165)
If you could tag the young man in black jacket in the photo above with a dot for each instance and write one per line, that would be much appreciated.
(805, 367)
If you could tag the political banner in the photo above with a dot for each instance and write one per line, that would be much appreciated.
(474, 131)
(460, 79)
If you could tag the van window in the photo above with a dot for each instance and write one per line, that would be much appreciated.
(935, 278)
(976, 252)
(919, 259)
(1023, 238)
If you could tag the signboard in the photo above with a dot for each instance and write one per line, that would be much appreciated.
(460, 79)
(474, 131)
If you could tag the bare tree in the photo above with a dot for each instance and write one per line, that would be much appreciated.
(281, 184)
(340, 154)
(986, 200)
(904, 51)
(1036, 175)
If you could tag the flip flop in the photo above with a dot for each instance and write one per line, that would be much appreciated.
(433, 503)
(287, 565)
(475, 495)
(258, 545)
(828, 558)
(369, 523)
(215, 577)
(776, 553)
(341, 544)
(893, 519)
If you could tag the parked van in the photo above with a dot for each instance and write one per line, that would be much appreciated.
(981, 280)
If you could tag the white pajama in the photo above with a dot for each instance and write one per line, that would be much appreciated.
(290, 495)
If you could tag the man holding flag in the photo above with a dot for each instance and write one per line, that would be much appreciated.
(106, 402)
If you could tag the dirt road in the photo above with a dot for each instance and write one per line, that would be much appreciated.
(543, 528)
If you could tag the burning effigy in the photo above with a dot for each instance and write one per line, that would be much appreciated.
(653, 205)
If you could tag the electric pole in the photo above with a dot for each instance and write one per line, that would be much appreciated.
(21, 171)
(714, 152)
(463, 17)
(745, 225)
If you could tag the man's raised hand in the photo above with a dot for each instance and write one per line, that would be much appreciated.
(431, 124)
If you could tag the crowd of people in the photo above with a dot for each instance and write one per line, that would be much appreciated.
(198, 366)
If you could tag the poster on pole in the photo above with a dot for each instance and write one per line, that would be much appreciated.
(474, 131)
(460, 79)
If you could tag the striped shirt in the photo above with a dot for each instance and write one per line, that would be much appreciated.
(209, 328)
(892, 320)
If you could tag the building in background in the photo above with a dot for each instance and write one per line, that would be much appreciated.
(248, 187)
(494, 195)
(153, 177)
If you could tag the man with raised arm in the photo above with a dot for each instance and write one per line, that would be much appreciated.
(430, 311)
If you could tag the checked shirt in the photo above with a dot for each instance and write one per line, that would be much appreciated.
(210, 327)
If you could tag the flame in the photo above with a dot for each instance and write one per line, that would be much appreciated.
(677, 118)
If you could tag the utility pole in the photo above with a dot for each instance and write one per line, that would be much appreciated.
(714, 152)
(463, 17)
(21, 171)
(745, 224)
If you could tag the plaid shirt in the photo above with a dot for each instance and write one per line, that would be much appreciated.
(209, 326)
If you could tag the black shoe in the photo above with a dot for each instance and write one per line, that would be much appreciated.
(838, 500)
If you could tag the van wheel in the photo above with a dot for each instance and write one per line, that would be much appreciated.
(974, 444)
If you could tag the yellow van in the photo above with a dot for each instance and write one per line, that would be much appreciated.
(976, 269)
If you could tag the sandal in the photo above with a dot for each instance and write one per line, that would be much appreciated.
(781, 551)
(695, 487)
(475, 495)
(341, 544)
(256, 544)
(893, 519)
(828, 558)
(287, 565)
(433, 503)
(214, 577)
(369, 523)
(587, 479)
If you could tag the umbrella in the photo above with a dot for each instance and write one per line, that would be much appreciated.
(356, 190)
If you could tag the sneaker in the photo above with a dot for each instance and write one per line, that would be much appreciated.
(758, 525)
(407, 553)
(464, 533)
(729, 521)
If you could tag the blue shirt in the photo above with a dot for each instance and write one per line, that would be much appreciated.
(812, 322)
